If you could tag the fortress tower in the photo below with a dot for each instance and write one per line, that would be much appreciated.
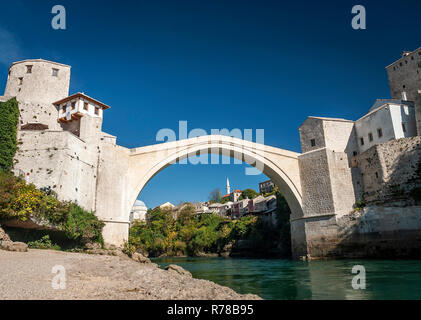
(405, 81)
(36, 84)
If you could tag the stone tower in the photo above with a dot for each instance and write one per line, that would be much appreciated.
(405, 81)
(36, 84)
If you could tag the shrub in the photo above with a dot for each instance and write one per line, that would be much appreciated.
(82, 225)
(19, 200)
(43, 243)
(359, 205)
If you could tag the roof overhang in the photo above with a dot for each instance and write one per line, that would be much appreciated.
(83, 96)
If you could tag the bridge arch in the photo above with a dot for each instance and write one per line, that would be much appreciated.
(279, 165)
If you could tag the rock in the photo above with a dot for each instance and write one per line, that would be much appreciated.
(177, 269)
(14, 246)
(140, 258)
(3, 235)
(93, 246)
(142, 252)
(110, 247)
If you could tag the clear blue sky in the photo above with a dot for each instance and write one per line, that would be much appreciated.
(216, 64)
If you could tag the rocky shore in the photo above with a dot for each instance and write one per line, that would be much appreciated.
(29, 275)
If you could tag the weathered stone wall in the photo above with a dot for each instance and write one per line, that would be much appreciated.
(112, 203)
(346, 184)
(316, 183)
(39, 86)
(405, 75)
(61, 161)
(380, 232)
(38, 113)
(391, 170)
(335, 134)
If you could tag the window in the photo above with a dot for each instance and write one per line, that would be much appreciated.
(20, 81)
(377, 175)
(354, 153)
(28, 69)
(362, 141)
(96, 110)
(64, 109)
(379, 132)
(85, 106)
(313, 142)
(55, 72)
(370, 137)
(73, 105)
(400, 63)
(404, 86)
(403, 127)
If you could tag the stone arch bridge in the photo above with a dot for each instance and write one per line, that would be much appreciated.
(119, 186)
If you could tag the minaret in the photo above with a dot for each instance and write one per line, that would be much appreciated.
(228, 187)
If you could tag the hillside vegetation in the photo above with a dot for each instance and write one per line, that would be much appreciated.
(186, 233)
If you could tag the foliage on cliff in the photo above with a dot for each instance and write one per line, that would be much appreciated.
(9, 116)
(187, 233)
(19, 200)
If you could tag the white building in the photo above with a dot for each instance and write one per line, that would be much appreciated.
(139, 211)
(167, 205)
(201, 207)
(386, 120)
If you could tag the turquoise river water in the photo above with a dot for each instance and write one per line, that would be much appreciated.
(286, 279)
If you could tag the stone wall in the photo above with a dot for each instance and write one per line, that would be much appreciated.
(380, 232)
(316, 183)
(40, 86)
(405, 75)
(390, 171)
(61, 161)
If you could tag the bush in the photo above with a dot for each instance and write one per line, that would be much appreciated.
(21, 201)
(43, 243)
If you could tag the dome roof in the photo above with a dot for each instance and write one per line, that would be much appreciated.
(139, 203)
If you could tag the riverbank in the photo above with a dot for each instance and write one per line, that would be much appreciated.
(28, 275)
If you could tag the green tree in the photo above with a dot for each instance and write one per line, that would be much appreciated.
(215, 195)
(248, 194)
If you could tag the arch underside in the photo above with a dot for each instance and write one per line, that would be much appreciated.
(265, 161)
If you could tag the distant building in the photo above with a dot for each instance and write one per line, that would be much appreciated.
(138, 211)
(227, 209)
(201, 207)
(167, 205)
(215, 208)
(266, 186)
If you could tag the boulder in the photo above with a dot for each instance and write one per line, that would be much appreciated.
(140, 258)
(14, 246)
(177, 269)
(3, 235)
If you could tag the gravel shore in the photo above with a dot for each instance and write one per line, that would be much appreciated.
(28, 275)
